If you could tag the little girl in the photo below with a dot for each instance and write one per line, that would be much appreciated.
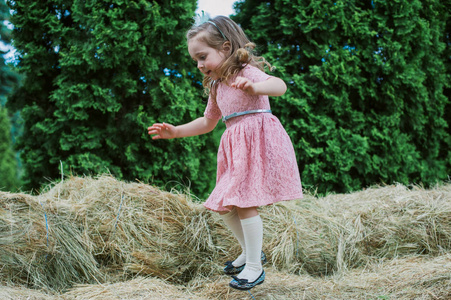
(256, 160)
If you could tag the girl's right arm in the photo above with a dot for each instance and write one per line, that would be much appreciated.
(167, 131)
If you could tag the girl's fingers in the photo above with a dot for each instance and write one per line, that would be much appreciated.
(155, 126)
(242, 83)
(246, 85)
(237, 82)
(161, 131)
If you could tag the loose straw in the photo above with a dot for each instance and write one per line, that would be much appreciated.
(46, 227)
(119, 212)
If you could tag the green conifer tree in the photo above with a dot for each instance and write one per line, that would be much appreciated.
(97, 75)
(366, 99)
(446, 17)
(8, 162)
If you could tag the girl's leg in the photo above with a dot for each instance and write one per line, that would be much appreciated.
(232, 221)
(246, 213)
(253, 236)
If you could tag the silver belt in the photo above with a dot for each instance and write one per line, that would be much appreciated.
(225, 118)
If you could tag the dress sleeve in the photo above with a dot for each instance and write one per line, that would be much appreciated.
(255, 74)
(212, 110)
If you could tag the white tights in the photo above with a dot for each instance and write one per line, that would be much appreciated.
(249, 233)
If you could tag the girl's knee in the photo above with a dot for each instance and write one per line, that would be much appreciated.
(247, 212)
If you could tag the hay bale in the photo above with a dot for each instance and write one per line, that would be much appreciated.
(104, 230)
(23, 293)
(28, 257)
(137, 288)
(101, 229)
(398, 221)
(300, 238)
(139, 229)
(413, 277)
(325, 235)
(409, 277)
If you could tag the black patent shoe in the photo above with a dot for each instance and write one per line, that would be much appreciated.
(232, 270)
(244, 284)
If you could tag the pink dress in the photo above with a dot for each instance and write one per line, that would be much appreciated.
(256, 160)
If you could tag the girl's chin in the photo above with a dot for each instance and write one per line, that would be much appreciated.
(213, 76)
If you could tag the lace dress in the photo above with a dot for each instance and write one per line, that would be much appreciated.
(256, 160)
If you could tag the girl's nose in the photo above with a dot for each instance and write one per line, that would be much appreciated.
(200, 65)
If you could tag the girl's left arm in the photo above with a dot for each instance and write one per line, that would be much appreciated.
(273, 86)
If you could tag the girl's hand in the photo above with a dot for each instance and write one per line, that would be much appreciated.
(162, 131)
(245, 84)
(273, 86)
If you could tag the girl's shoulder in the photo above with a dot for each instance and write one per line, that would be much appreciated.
(253, 73)
(251, 69)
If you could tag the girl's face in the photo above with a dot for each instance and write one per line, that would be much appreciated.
(208, 59)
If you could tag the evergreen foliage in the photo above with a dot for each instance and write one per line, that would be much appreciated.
(97, 75)
(7, 77)
(446, 16)
(366, 100)
(8, 163)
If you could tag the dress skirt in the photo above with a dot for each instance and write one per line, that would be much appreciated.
(256, 164)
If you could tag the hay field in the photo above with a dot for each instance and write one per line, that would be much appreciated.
(100, 238)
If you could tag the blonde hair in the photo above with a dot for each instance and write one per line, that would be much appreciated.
(216, 32)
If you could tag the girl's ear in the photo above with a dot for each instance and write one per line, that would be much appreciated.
(227, 47)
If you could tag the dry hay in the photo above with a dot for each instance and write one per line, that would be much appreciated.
(23, 293)
(25, 254)
(334, 233)
(103, 230)
(409, 278)
(414, 277)
(138, 288)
